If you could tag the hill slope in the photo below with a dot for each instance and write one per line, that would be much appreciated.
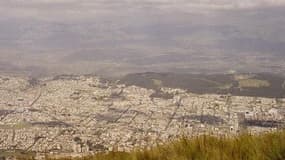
(256, 85)
(244, 147)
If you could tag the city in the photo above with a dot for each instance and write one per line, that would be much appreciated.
(80, 115)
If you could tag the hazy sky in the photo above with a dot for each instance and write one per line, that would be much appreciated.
(122, 36)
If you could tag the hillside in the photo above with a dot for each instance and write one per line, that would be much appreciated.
(244, 147)
(256, 85)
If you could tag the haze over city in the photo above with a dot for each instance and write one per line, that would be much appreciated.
(112, 37)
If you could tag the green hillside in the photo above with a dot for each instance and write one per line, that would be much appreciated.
(255, 85)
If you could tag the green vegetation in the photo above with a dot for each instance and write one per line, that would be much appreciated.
(18, 154)
(225, 86)
(269, 146)
(253, 83)
(239, 77)
(211, 82)
(16, 126)
(157, 83)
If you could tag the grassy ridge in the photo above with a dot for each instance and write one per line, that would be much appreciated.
(244, 147)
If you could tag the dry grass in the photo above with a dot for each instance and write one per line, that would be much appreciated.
(17, 154)
(244, 147)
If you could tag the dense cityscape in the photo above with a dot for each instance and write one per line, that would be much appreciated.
(79, 115)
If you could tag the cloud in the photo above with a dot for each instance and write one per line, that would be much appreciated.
(209, 3)
(58, 10)
(123, 4)
(59, 33)
(84, 9)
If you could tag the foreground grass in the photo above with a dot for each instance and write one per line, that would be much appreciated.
(244, 147)
(18, 154)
